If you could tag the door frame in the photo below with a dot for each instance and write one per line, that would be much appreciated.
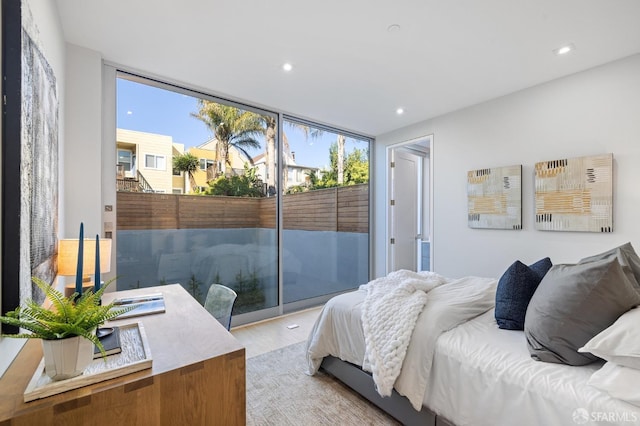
(428, 140)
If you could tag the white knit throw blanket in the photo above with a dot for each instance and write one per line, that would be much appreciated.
(389, 314)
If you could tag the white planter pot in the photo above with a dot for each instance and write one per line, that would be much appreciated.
(66, 358)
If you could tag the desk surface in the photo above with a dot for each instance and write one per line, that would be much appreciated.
(186, 334)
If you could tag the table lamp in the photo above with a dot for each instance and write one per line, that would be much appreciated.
(92, 262)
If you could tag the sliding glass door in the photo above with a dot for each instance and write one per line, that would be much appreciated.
(325, 231)
(194, 208)
(208, 192)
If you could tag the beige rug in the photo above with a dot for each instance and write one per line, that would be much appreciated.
(280, 393)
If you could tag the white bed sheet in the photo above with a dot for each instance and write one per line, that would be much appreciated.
(483, 375)
(338, 331)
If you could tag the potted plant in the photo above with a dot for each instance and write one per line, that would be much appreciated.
(67, 329)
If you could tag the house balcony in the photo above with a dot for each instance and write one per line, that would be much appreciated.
(125, 183)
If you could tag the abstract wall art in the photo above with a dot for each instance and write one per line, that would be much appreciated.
(29, 160)
(494, 198)
(575, 194)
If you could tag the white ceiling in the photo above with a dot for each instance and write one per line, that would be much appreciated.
(349, 71)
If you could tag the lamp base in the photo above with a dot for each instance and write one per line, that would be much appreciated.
(69, 289)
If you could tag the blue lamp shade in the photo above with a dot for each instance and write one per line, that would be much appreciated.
(68, 257)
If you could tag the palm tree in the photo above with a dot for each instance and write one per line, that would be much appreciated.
(316, 133)
(341, 140)
(231, 127)
(312, 132)
(187, 163)
(270, 123)
(270, 132)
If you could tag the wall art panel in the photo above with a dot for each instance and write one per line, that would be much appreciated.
(29, 161)
(575, 194)
(495, 198)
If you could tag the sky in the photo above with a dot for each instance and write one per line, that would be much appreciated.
(149, 109)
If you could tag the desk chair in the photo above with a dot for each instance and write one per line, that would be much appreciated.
(219, 303)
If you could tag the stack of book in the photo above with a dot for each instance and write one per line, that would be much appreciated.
(146, 304)
(110, 341)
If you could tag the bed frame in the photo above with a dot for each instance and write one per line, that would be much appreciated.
(396, 405)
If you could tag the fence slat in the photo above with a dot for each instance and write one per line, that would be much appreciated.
(343, 209)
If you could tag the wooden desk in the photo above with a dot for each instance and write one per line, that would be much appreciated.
(197, 378)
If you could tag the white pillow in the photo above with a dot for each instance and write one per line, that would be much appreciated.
(620, 342)
(619, 382)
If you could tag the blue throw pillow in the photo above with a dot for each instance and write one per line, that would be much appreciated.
(541, 267)
(515, 290)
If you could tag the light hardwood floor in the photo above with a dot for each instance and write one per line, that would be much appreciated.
(268, 335)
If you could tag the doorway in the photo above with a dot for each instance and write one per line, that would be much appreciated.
(409, 243)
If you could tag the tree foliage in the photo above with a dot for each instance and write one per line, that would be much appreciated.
(355, 171)
(246, 185)
(231, 127)
(356, 167)
(186, 162)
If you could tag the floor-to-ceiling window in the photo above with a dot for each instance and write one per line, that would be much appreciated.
(325, 228)
(225, 193)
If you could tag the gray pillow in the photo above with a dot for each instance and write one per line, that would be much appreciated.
(572, 304)
(627, 257)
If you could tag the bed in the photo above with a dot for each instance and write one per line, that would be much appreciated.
(478, 374)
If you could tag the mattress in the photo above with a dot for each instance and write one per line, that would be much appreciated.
(338, 330)
(483, 375)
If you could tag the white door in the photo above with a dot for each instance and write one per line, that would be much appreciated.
(405, 208)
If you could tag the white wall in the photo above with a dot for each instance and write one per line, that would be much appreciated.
(87, 160)
(83, 149)
(592, 112)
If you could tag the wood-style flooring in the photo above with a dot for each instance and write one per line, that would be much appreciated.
(271, 334)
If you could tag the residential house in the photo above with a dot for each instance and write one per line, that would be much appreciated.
(144, 161)
(178, 180)
(297, 174)
(208, 168)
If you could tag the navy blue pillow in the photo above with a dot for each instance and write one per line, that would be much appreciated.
(541, 267)
(515, 290)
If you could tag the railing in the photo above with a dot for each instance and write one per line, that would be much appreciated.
(144, 185)
(124, 184)
(128, 185)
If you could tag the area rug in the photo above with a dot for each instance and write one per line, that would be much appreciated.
(280, 393)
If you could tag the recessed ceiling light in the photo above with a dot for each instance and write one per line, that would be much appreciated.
(287, 66)
(564, 49)
(400, 111)
(393, 28)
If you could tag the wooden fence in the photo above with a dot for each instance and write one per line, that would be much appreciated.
(344, 209)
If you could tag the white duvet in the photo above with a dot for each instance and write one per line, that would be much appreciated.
(339, 331)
